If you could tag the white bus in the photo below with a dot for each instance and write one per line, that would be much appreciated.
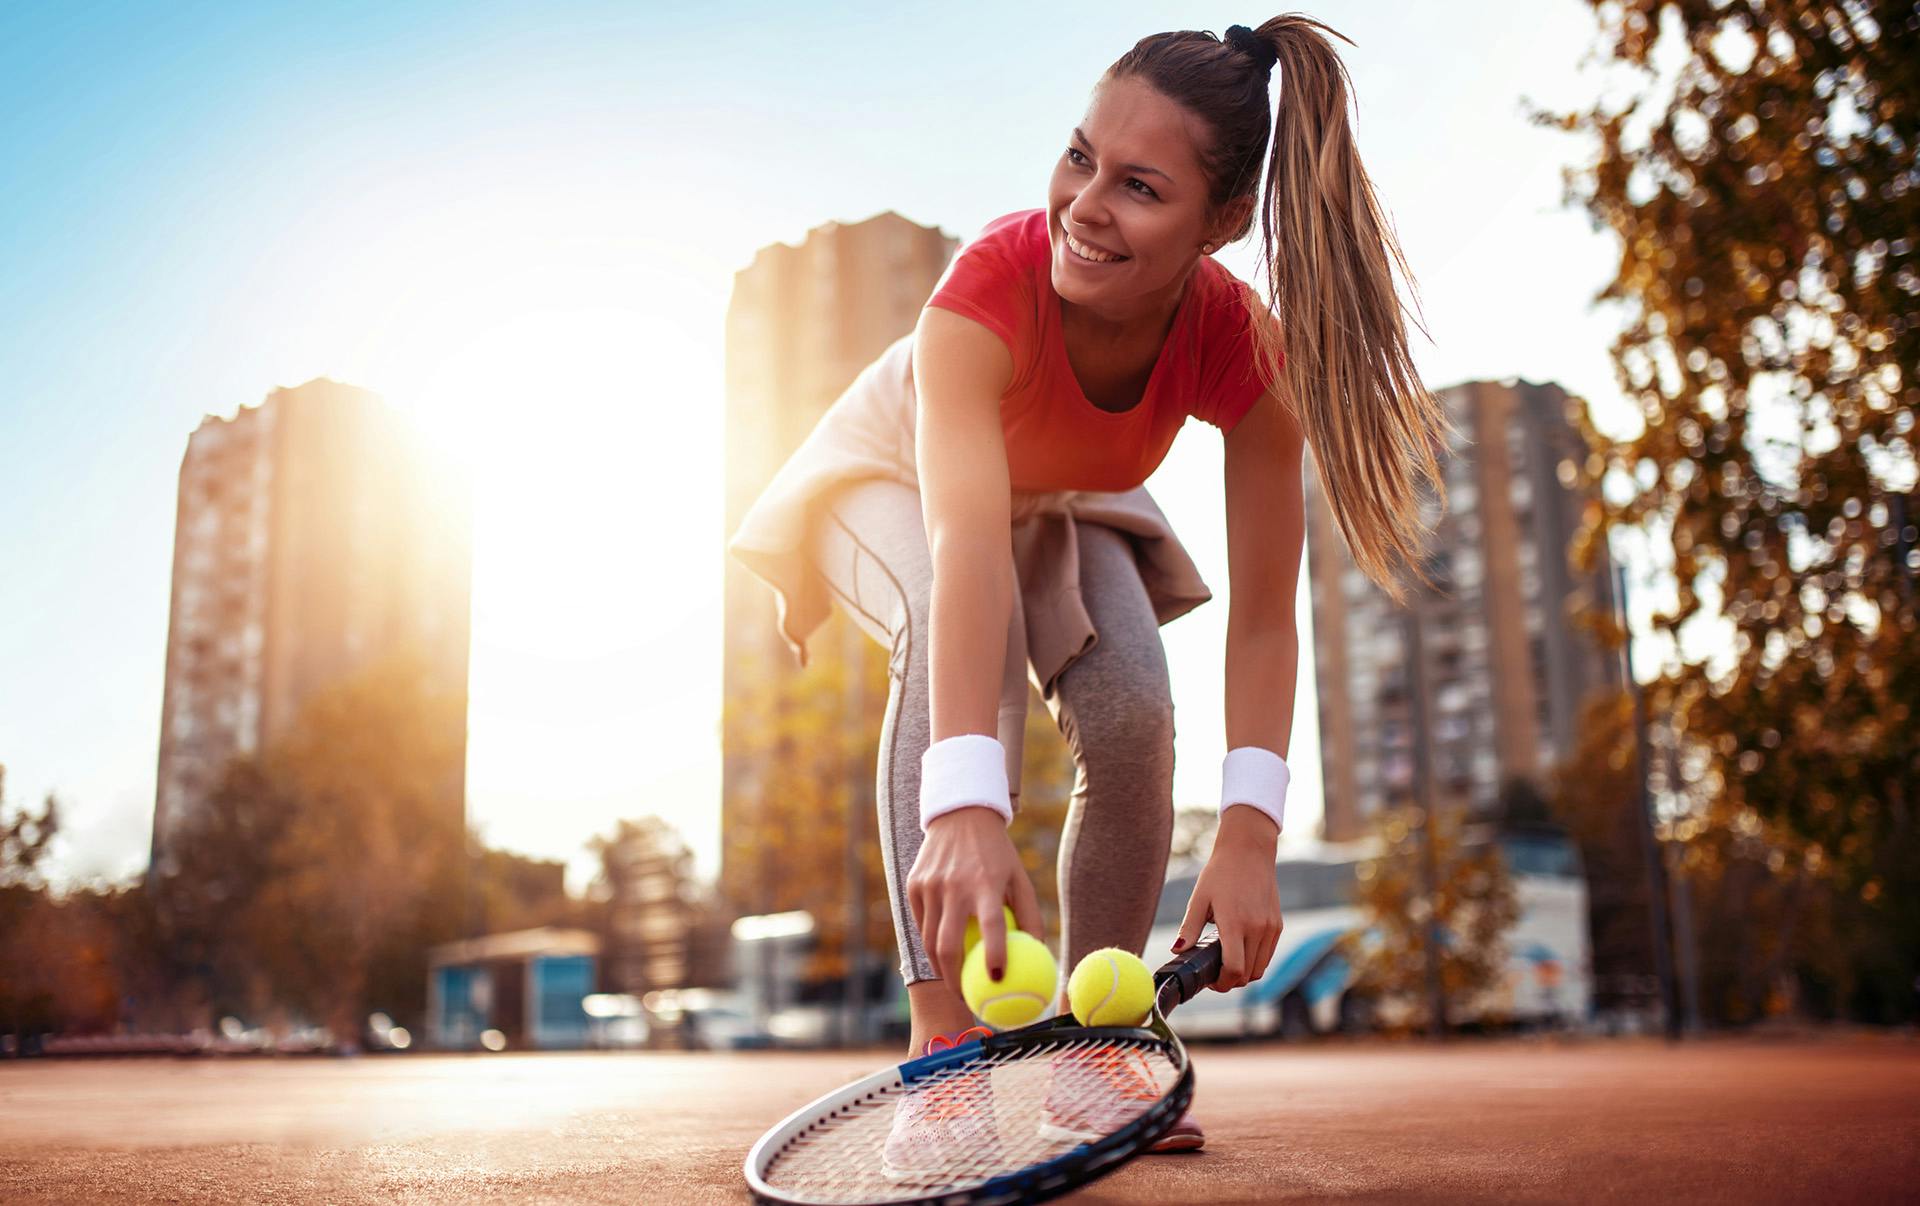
(1308, 986)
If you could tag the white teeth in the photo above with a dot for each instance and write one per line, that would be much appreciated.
(1087, 253)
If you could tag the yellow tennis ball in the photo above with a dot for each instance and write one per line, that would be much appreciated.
(1110, 987)
(1018, 997)
(973, 927)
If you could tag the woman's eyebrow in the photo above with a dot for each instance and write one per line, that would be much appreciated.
(1139, 169)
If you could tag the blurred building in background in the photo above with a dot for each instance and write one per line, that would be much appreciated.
(522, 990)
(314, 533)
(1506, 673)
(802, 323)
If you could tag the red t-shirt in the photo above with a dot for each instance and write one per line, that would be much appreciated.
(1057, 439)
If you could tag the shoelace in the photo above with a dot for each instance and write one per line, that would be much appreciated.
(948, 1041)
(954, 1097)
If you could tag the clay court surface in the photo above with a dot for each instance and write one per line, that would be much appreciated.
(1826, 1119)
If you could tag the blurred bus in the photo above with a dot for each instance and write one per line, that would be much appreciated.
(1308, 986)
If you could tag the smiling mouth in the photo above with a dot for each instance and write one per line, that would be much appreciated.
(1089, 254)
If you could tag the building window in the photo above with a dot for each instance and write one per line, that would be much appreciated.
(1486, 767)
(1466, 567)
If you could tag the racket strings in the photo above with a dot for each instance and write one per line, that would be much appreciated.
(964, 1125)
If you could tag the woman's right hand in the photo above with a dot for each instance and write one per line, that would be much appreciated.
(967, 867)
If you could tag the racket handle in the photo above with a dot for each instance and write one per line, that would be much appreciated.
(1186, 974)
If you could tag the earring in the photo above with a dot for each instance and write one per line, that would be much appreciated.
(1206, 248)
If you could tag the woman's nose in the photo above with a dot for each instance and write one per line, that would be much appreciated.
(1086, 210)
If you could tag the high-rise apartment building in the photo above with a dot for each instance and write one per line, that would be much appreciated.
(803, 321)
(314, 533)
(1505, 672)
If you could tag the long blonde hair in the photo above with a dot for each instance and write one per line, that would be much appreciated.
(1334, 326)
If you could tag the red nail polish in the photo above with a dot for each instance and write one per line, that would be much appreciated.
(1179, 944)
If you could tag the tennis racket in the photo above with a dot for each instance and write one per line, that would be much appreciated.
(1020, 1116)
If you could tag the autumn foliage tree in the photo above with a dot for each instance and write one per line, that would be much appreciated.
(28, 991)
(1595, 794)
(1767, 209)
(1474, 902)
(316, 874)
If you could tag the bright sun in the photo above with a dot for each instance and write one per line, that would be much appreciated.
(592, 441)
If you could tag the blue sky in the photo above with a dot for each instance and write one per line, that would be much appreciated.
(521, 225)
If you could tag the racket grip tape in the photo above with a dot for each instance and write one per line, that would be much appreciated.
(1189, 972)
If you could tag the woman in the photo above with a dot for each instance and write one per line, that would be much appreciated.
(974, 502)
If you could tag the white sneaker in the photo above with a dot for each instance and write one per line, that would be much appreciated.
(946, 1125)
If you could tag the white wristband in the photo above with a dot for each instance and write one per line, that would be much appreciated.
(1256, 777)
(964, 772)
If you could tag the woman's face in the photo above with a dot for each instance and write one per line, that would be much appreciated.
(1127, 185)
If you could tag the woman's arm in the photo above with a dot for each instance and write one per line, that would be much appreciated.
(1266, 531)
(960, 371)
(967, 865)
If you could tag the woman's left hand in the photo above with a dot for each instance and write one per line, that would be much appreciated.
(1239, 892)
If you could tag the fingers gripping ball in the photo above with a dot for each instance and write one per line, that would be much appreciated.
(973, 928)
(1110, 987)
(1018, 997)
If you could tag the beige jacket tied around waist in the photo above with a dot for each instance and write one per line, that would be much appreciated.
(868, 433)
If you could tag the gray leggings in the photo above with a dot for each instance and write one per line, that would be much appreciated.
(1113, 705)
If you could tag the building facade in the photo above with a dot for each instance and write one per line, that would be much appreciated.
(1504, 670)
(314, 533)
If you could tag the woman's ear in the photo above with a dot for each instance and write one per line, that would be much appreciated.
(1232, 218)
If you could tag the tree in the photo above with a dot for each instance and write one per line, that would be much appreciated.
(1474, 902)
(515, 892)
(1768, 216)
(29, 953)
(25, 839)
(207, 902)
(316, 875)
(1595, 795)
(648, 905)
(369, 867)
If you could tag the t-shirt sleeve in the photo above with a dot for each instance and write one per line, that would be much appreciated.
(1230, 377)
(985, 283)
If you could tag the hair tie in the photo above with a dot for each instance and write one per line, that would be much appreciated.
(1253, 46)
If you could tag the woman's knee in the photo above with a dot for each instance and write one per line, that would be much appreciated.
(1141, 728)
(1126, 710)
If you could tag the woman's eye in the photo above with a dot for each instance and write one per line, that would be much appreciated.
(1077, 159)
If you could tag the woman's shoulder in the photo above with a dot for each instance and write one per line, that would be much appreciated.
(1226, 353)
(991, 279)
(1015, 244)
